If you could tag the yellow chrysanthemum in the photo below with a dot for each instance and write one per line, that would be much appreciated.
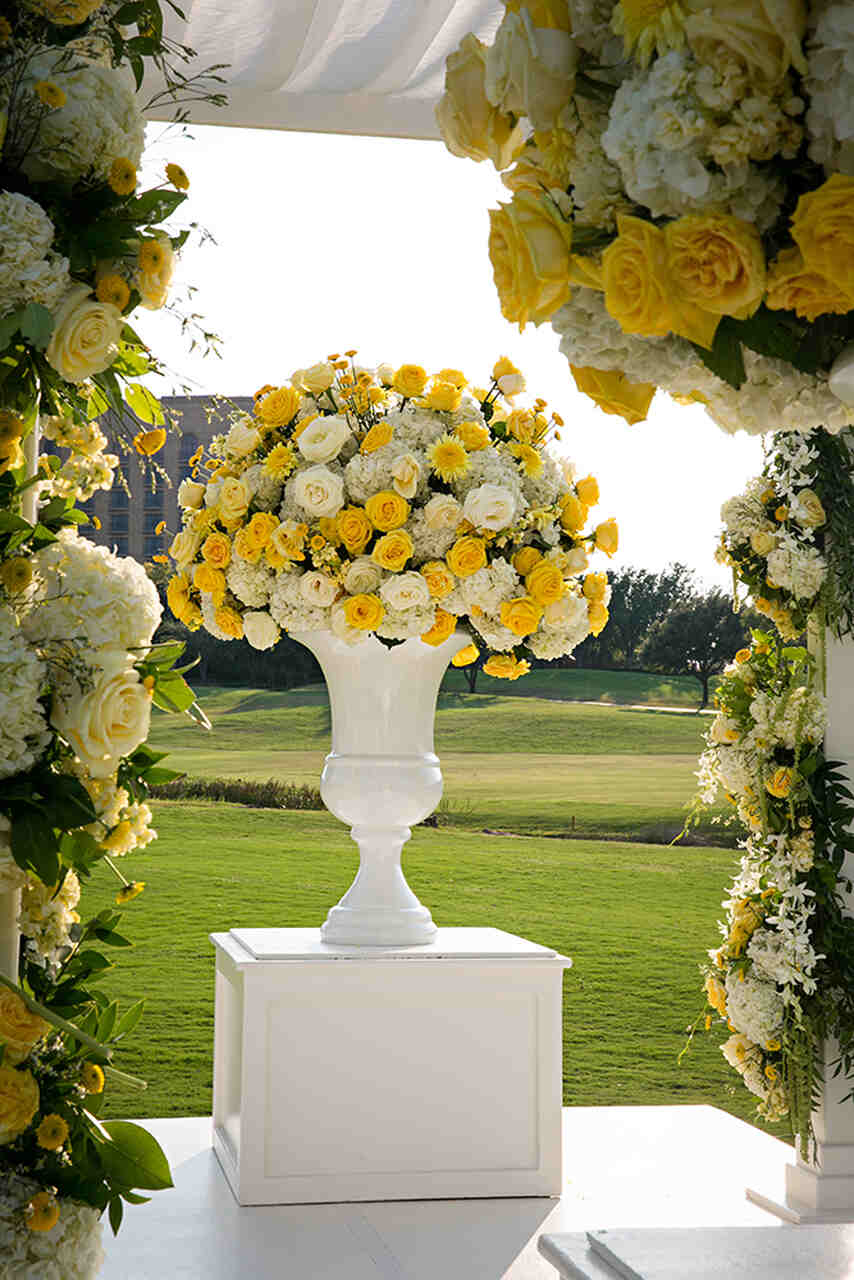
(16, 574)
(113, 289)
(49, 94)
(122, 177)
(128, 892)
(648, 27)
(92, 1077)
(178, 177)
(280, 461)
(448, 458)
(151, 256)
(42, 1211)
(52, 1133)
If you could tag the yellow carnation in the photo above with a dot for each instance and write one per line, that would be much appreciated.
(544, 583)
(178, 595)
(530, 243)
(613, 392)
(210, 581)
(521, 616)
(442, 629)
(364, 612)
(597, 616)
(466, 556)
(387, 510)
(393, 550)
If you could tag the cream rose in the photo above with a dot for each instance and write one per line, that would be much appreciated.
(362, 577)
(442, 512)
(318, 589)
(233, 500)
(510, 384)
(568, 611)
(184, 546)
(107, 722)
(405, 591)
(260, 629)
(577, 560)
(385, 373)
(763, 36)
(243, 437)
(323, 439)
(317, 379)
(191, 495)
(319, 491)
(469, 123)
(406, 472)
(530, 71)
(763, 542)
(530, 246)
(808, 509)
(489, 506)
(86, 335)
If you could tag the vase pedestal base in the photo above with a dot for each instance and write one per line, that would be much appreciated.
(386, 1072)
(368, 927)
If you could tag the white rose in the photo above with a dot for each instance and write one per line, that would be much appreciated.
(233, 499)
(260, 629)
(362, 577)
(323, 439)
(184, 546)
(341, 627)
(565, 612)
(318, 589)
(385, 373)
(405, 471)
(319, 492)
(190, 495)
(490, 506)
(577, 560)
(405, 591)
(243, 437)
(510, 384)
(86, 335)
(442, 512)
(318, 378)
(530, 71)
(110, 720)
(467, 120)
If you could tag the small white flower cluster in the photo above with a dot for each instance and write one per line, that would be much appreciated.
(71, 1250)
(30, 271)
(88, 469)
(24, 733)
(47, 919)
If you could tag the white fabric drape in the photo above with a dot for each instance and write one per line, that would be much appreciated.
(331, 66)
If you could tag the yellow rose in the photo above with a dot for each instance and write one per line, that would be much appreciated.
(544, 583)
(823, 229)
(716, 995)
(19, 1027)
(521, 616)
(210, 581)
(762, 36)
(233, 500)
(597, 616)
(364, 612)
(354, 529)
(763, 543)
(503, 666)
(525, 559)
(717, 263)
(573, 513)
(529, 246)
(279, 407)
(522, 425)
(607, 537)
(393, 550)
(792, 287)
(183, 547)
(286, 543)
(410, 380)
(440, 581)
(456, 376)
(387, 510)
(596, 586)
(19, 1102)
(229, 621)
(261, 527)
(178, 595)
(466, 556)
(587, 489)
(811, 512)
(216, 550)
(613, 392)
(444, 397)
(468, 122)
(442, 629)
(634, 274)
(466, 656)
(379, 434)
(780, 783)
(553, 14)
(245, 546)
(473, 435)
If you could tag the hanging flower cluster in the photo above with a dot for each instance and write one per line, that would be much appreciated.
(391, 502)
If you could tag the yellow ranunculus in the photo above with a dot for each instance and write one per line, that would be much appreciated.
(470, 125)
(387, 510)
(792, 286)
(761, 36)
(444, 397)
(466, 556)
(19, 1027)
(596, 586)
(597, 616)
(525, 559)
(530, 243)
(354, 529)
(573, 513)
(823, 229)
(379, 434)
(716, 262)
(246, 547)
(544, 583)
(229, 621)
(278, 407)
(780, 783)
(442, 629)
(440, 581)
(19, 1102)
(216, 550)
(364, 612)
(613, 392)
(472, 435)
(210, 581)
(410, 380)
(607, 537)
(634, 274)
(503, 666)
(261, 527)
(466, 656)
(392, 550)
(521, 616)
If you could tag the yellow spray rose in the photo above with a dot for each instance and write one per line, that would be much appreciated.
(634, 275)
(387, 510)
(392, 550)
(19, 1102)
(823, 229)
(440, 581)
(544, 583)
(613, 392)
(607, 537)
(442, 629)
(364, 612)
(216, 550)
(470, 125)
(503, 666)
(530, 243)
(521, 616)
(354, 529)
(525, 559)
(444, 397)
(19, 1027)
(410, 380)
(716, 262)
(466, 556)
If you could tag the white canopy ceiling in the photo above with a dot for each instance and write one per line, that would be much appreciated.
(331, 66)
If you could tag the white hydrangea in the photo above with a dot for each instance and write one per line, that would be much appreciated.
(830, 89)
(71, 1250)
(487, 589)
(597, 188)
(591, 29)
(291, 611)
(429, 543)
(266, 492)
(754, 1006)
(251, 583)
(46, 919)
(100, 121)
(403, 624)
(798, 569)
(745, 514)
(542, 490)
(29, 270)
(416, 428)
(23, 729)
(492, 631)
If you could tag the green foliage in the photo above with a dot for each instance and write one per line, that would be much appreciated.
(259, 795)
(697, 638)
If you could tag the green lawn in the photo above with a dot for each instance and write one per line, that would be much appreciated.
(582, 684)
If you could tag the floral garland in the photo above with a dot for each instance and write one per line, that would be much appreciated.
(682, 198)
(385, 501)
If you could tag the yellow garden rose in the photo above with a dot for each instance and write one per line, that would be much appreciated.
(521, 616)
(503, 666)
(364, 612)
(525, 559)
(443, 397)
(387, 510)
(245, 546)
(823, 229)
(596, 586)
(440, 581)
(470, 125)
(573, 513)
(716, 262)
(19, 1102)
(393, 550)
(379, 434)
(597, 616)
(216, 550)
(442, 629)
(410, 380)
(613, 392)
(278, 407)
(210, 581)
(229, 621)
(792, 287)
(20, 1028)
(761, 36)
(466, 656)
(472, 435)
(544, 583)
(607, 537)
(261, 528)
(780, 783)
(530, 243)
(466, 556)
(634, 275)
(354, 529)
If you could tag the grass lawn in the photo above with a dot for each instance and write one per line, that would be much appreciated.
(582, 684)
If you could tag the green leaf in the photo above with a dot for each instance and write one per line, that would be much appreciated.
(34, 844)
(725, 357)
(157, 777)
(117, 1210)
(8, 329)
(134, 1158)
(69, 802)
(165, 655)
(36, 325)
(144, 756)
(128, 1021)
(172, 693)
(144, 404)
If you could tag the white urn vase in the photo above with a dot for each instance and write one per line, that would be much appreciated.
(381, 776)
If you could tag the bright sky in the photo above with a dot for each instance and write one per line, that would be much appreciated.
(326, 243)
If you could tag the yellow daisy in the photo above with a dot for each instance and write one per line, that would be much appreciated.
(448, 458)
(122, 176)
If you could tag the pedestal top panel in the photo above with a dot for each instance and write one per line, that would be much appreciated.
(449, 944)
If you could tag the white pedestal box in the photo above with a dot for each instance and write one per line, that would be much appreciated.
(387, 1073)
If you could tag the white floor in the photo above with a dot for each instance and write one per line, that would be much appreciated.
(623, 1167)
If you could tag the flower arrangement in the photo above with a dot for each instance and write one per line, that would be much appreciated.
(388, 502)
(682, 197)
(780, 980)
